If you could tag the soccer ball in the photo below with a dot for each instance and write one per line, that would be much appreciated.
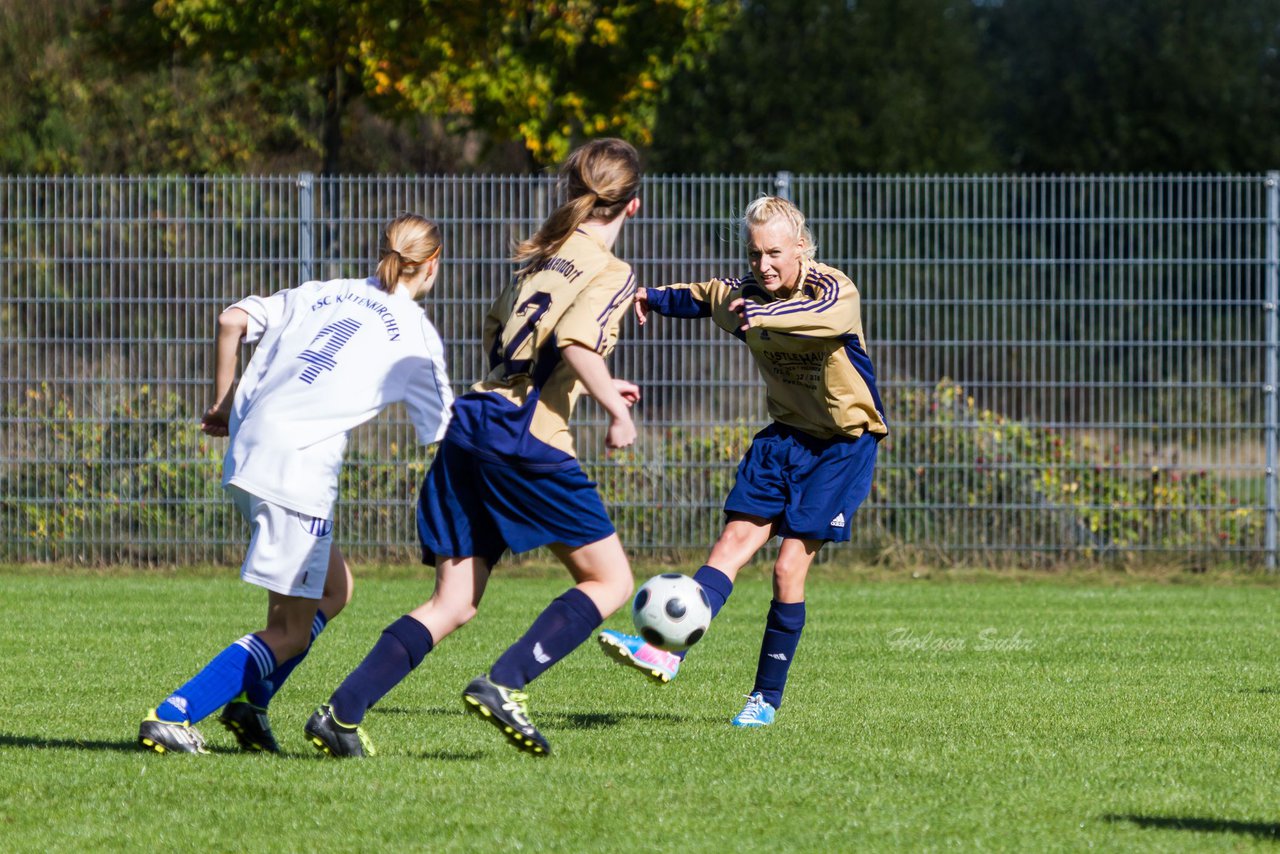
(671, 611)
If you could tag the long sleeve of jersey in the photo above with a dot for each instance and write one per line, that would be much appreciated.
(683, 300)
(699, 299)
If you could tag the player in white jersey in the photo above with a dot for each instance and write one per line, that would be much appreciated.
(330, 356)
(506, 476)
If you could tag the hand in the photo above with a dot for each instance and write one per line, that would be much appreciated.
(215, 422)
(641, 306)
(630, 391)
(739, 307)
(621, 433)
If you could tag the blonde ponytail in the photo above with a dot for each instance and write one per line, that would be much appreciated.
(598, 180)
(408, 242)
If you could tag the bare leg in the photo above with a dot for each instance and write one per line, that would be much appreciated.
(601, 570)
(460, 584)
(741, 538)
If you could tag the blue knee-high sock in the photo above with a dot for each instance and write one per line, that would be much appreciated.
(717, 586)
(560, 629)
(261, 692)
(781, 637)
(399, 649)
(227, 675)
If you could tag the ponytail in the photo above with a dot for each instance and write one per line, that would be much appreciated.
(408, 242)
(598, 179)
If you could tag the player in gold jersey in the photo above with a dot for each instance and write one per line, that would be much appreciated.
(506, 476)
(805, 474)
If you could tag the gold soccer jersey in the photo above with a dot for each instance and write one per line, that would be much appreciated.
(519, 413)
(809, 346)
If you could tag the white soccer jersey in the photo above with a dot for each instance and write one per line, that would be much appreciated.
(331, 355)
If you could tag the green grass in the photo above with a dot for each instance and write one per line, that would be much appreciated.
(970, 712)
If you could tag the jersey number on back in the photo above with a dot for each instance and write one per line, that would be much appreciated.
(322, 358)
(532, 310)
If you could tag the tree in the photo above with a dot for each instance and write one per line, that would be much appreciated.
(833, 86)
(1146, 85)
(544, 73)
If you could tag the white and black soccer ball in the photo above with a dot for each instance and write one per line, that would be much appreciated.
(671, 611)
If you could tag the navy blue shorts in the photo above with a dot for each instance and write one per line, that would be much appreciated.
(473, 507)
(811, 487)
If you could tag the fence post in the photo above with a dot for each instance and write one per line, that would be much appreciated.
(306, 226)
(1271, 405)
(782, 183)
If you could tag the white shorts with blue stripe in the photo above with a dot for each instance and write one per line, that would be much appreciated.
(288, 551)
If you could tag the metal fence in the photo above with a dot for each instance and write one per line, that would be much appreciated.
(1074, 368)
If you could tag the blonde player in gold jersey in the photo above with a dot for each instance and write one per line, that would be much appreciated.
(805, 474)
(506, 476)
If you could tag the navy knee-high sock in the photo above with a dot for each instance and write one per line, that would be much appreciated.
(261, 692)
(717, 586)
(560, 629)
(399, 649)
(226, 676)
(781, 637)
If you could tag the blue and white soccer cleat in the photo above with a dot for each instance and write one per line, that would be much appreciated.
(756, 712)
(631, 650)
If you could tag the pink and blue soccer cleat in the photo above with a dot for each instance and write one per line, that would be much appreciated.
(658, 664)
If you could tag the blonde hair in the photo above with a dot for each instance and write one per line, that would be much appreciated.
(768, 209)
(408, 242)
(597, 180)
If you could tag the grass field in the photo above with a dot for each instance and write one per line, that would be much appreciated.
(972, 712)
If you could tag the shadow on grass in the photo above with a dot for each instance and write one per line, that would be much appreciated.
(575, 720)
(1258, 829)
(130, 746)
(601, 720)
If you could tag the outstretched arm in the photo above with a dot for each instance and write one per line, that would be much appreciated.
(600, 384)
(232, 326)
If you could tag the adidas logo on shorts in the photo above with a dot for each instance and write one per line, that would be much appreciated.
(838, 522)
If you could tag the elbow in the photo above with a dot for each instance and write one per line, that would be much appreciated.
(233, 320)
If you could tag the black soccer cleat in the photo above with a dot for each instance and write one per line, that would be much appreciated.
(508, 710)
(168, 737)
(250, 726)
(335, 739)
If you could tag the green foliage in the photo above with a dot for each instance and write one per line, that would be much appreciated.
(542, 73)
(964, 479)
(955, 473)
(106, 94)
(831, 86)
(712, 85)
(1146, 85)
(123, 485)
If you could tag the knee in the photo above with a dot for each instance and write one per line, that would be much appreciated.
(735, 538)
(337, 593)
(788, 578)
(456, 614)
(626, 587)
(613, 592)
(333, 603)
(294, 643)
